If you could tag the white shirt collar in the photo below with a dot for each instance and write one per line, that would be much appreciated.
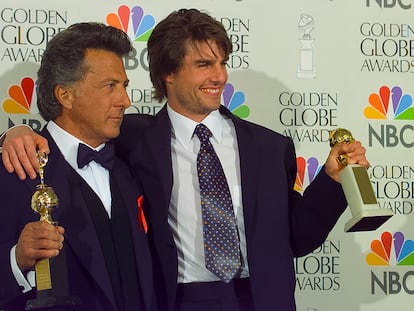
(183, 127)
(67, 143)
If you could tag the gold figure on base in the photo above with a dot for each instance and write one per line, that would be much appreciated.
(366, 214)
(51, 273)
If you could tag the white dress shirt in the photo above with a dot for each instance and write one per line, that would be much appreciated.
(94, 174)
(185, 207)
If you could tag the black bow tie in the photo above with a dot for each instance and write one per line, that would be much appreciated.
(104, 157)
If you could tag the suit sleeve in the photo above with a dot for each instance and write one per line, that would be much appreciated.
(314, 214)
(14, 210)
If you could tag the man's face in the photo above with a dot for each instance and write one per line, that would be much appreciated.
(98, 100)
(195, 89)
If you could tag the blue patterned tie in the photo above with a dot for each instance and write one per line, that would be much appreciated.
(221, 242)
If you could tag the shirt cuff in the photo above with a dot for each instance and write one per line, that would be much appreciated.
(28, 282)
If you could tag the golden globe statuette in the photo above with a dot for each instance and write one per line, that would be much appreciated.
(51, 273)
(355, 182)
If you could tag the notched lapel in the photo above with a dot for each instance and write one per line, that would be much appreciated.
(159, 141)
(249, 168)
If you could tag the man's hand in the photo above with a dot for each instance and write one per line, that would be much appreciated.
(354, 152)
(38, 240)
(19, 151)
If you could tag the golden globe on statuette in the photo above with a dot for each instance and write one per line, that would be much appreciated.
(51, 273)
(360, 196)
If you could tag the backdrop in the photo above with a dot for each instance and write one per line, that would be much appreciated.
(301, 68)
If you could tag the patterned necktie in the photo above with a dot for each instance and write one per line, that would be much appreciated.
(104, 157)
(221, 242)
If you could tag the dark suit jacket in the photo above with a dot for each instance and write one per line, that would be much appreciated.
(280, 223)
(88, 276)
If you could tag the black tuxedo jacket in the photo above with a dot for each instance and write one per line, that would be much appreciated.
(88, 275)
(280, 223)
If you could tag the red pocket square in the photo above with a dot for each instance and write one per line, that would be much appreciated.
(142, 222)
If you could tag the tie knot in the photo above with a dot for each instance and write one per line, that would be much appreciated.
(202, 132)
(104, 157)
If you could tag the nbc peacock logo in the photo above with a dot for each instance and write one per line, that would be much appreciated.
(134, 22)
(390, 104)
(20, 97)
(307, 169)
(234, 101)
(391, 250)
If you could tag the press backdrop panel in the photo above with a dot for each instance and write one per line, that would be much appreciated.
(300, 68)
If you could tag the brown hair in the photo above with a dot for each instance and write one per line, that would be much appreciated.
(168, 41)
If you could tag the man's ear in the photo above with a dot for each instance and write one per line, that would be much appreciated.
(65, 95)
(168, 78)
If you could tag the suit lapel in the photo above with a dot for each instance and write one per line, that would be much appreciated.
(74, 216)
(249, 167)
(159, 141)
(130, 194)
